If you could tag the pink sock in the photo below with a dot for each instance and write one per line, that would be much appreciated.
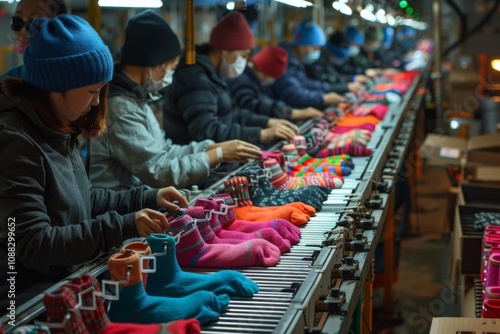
(345, 128)
(379, 111)
(192, 251)
(286, 229)
(236, 237)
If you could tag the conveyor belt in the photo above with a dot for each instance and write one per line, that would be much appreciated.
(289, 291)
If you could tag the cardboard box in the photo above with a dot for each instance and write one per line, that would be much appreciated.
(464, 325)
(483, 195)
(442, 150)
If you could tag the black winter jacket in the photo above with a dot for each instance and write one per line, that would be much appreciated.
(323, 70)
(248, 93)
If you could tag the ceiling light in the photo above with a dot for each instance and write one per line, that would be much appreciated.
(131, 3)
(296, 3)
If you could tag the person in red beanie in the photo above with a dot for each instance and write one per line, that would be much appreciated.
(263, 69)
(198, 104)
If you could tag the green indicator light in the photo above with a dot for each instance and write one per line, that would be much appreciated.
(403, 4)
(416, 15)
(409, 10)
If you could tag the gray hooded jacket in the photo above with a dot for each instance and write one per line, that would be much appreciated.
(134, 151)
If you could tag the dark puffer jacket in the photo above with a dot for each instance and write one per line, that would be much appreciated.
(247, 92)
(323, 70)
(295, 88)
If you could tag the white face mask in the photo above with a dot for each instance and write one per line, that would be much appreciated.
(232, 70)
(154, 86)
(353, 51)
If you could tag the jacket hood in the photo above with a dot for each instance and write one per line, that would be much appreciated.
(22, 106)
(122, 85)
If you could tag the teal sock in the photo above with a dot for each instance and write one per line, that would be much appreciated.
(135, 306)
(169, 279)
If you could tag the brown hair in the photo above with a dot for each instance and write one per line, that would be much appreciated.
(90, 125)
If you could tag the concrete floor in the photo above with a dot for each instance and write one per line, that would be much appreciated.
(423, 289)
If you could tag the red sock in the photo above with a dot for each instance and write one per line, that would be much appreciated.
(58, 305)
(97, 320)
(235, 237)
(189, 326)
(192, 251)
(286, 229)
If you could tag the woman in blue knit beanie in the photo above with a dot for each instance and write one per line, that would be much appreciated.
(52, 220)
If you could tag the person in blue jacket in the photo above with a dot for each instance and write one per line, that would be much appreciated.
(26, 11)
(262, 70)
(52, 221)
(295, 88)
(198, 104)
(325, 68)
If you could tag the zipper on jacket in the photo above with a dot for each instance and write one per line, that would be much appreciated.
(73, 142)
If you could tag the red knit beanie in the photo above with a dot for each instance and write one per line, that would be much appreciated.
(232, 33)
(271, 61)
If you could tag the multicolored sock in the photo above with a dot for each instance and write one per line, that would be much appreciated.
(343, 160)
(237, 188)
(356, 136)
(171, 281)
(354, 150)
(284, 181)
(328, 170)
(58, 304)
(317, 192)
(286, 229)
(97, 320)
(192, 251)
(262, 199)
(300, 144)
(233, 237)
(135, 306)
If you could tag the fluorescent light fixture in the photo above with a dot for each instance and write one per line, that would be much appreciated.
(369, 16)
(495, 64)
(342, 7)
(131, 3)
(296, 3)
(10, 1)
(230, 6)
(391, 20)
(367, 13)
(380, 15)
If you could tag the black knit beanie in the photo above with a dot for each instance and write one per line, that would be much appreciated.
(149, 41)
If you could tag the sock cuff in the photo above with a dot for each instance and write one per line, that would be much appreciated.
(140, 247)
(118, 263)
(197, 212)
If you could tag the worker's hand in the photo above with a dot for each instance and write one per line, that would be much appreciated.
(362, 79)
(237, 151)
(167, 195)
(150, 221)
(303, 114)
(354, 86)
(373, 72)
(275, 133)
(273, 122)
(332, 98)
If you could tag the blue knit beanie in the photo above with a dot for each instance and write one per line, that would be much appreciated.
(308, 33)
(65, 52)
(355, 35)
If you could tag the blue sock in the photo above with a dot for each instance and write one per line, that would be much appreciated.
(170, 280)
(135, 306)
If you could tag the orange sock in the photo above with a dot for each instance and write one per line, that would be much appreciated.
(258, 214)
(307, 209)
(350, 120)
